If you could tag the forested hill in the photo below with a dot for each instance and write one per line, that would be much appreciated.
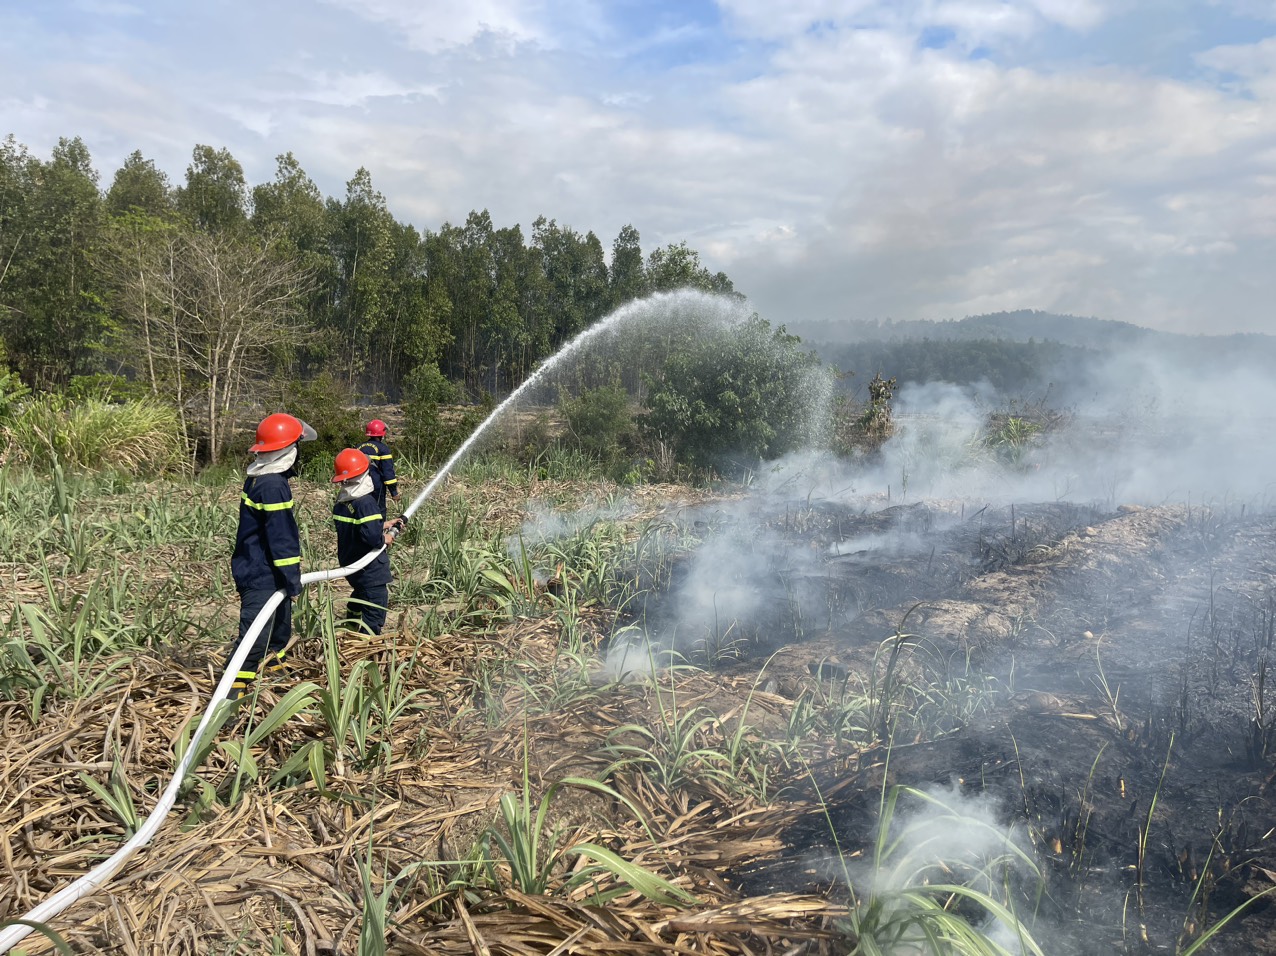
(1025, 352)
(1020, 326)
(198, 291)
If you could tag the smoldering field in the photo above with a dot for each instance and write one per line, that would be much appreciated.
(1058, 646)
(1070, 626)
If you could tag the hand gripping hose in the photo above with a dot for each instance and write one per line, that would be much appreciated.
(102, 873)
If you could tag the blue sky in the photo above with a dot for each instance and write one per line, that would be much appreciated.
(840, 159)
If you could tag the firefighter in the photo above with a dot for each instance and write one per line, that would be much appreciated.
(361, 528)
(267, 556)
(382, 459)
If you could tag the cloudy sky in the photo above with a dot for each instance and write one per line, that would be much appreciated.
(837, 158)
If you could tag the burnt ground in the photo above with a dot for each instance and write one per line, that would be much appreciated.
(1126, 656)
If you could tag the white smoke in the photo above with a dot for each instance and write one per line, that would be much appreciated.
(1142, 429)
(941, 836)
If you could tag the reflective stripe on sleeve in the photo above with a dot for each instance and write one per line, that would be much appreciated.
(284, 562)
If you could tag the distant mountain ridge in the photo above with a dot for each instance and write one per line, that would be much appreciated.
(1023, 325)
(1027, 350)
(1027, 324)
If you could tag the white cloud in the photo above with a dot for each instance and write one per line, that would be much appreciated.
(984, 21)
(352, 89)
(258, 121)
(437, 24)
(1253, 65)
(975, 22)
(956, 186)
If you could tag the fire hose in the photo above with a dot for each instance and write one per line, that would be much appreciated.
(100, 874)
(96, 878)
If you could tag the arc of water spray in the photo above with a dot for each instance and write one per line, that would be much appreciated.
(102, 873)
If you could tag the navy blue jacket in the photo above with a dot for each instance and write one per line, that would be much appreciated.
(360, 529)
(381, 460)
(268, 546)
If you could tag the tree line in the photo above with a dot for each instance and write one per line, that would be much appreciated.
(1011, 368)
(201, 291)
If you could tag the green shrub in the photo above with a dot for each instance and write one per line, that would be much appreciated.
(600, 421)
(736, 396)
(1012, 439)
(1017, 432)
(109, 388)
(528, 438)
(327, 405)
(427, 384)
(864, 429)
(140, 438)
(430, 433)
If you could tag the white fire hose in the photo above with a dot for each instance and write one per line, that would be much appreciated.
(102, 873)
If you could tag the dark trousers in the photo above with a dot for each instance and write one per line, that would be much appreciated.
(367, 607)
(274, 636)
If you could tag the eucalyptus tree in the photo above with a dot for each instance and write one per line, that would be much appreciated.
(627, 278)
(51, 306)
(416, 329)
(576, 273)
(140, 215)
(134, 254)
(474, 296)
(140, 187)
(442, 269)
(291, 210)
(215, 194)
(361, 240)
(17, 182)
(678, 266)
(521, 328)
(593, 284)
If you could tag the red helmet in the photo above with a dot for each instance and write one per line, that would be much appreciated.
(350, 463)
(279, 431)
(376, 429)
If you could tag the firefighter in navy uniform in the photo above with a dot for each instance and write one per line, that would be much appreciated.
(267, 556)
(362, 528)
(383, 478)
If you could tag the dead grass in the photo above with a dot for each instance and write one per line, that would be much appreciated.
(279, 867)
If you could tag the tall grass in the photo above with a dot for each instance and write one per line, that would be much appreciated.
(140, 438)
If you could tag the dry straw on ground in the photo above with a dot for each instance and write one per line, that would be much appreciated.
(281, 868)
